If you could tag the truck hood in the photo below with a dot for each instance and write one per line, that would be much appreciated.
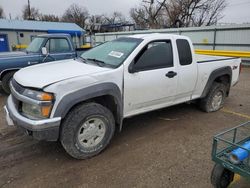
(40, 76)
(6, 55)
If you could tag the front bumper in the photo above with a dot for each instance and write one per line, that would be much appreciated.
(46, 129)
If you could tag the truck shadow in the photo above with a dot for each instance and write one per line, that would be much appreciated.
(154, 121)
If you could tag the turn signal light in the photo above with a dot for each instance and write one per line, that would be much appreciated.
(46, 111)
(46, 97)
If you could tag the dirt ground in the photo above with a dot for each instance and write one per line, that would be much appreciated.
(166, 148)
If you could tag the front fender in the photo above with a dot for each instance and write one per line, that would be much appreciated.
(98, 90)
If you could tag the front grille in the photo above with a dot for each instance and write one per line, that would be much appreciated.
(18, 88)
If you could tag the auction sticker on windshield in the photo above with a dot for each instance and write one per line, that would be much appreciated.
(116, 54)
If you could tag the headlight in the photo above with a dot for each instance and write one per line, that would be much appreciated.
(37, 111)
(38, 95)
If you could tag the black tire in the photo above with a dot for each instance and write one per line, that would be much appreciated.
(73, 124)
(206, 104)
(6, 81)
(221, 177)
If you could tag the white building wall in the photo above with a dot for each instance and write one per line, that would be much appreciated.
(233, 37)
(14, 37)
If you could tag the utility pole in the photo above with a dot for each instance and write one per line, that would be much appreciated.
(29, 12)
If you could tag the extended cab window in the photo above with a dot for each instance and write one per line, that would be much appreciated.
(154, 56)
(58, 45)
(184, 51)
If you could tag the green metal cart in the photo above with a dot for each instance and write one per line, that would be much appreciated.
(223, 144)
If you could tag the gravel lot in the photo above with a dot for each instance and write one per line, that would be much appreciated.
(166, 148)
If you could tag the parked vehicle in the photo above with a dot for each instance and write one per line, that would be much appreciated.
(82, 101)
(224, 144)
(42, 49)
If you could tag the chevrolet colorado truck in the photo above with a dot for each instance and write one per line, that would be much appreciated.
(42, 49)
(82, 101)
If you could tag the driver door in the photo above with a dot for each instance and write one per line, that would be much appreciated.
(151, 81)
(58, 49)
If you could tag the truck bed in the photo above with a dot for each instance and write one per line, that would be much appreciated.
(207, 64)
(209, 58)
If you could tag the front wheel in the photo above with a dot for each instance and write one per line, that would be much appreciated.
(87, 130)
(221, 177)
(214, 99)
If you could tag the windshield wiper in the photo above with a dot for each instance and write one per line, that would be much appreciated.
(98, 62)
(83, 59)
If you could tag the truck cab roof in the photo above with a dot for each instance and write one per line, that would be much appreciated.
(157, 35)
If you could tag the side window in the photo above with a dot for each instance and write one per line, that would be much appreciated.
(155, 55)
(58, 45)
(184, 51)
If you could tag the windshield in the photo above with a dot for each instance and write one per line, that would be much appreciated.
(112, 53)
(35, 45)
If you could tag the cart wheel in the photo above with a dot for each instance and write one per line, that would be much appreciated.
(221, 177)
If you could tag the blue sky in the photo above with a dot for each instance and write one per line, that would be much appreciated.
(238, 11)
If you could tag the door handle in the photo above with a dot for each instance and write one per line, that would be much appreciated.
(171, 74)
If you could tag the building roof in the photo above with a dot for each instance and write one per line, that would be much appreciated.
(28, 25)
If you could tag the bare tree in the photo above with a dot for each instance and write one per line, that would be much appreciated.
(113, 22)
(209, 13)
(32, 14)
(1, 13)
(96, 19)
(138, 15)
(49, 18)
(181, 13)
(76, 14)
(149, 14)
(194, 12)
(115, 17)
(94, 22)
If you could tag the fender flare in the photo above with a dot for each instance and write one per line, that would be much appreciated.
(72, 99)
(8, 70)
(215, 74)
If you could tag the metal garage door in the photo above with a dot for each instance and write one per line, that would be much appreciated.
(4, 46)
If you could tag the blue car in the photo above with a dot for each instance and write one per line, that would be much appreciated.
(43, 49)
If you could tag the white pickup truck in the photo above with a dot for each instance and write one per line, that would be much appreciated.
(82, 101)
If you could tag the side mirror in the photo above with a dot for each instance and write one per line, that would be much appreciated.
(44, 51)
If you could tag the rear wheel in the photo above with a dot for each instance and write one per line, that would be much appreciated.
(87, 130)
(6, 81)
(214, 99)
(221, 177)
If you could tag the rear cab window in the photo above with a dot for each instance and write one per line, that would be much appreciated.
(184, 52)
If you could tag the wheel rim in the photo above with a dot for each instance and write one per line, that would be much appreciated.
(91, 132)
(217, 100)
